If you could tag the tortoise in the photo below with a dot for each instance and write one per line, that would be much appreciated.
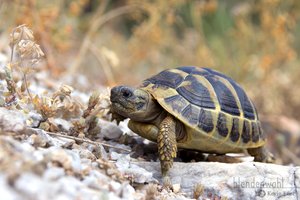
(191, 108)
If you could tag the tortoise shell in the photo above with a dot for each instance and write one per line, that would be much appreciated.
(217, 114)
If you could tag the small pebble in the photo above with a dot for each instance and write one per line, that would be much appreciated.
(114, 155)
(176, 188)
(110, 130)
(100, 152)
(53, 173)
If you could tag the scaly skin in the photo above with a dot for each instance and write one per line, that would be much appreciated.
(148, 131)
(167, 146)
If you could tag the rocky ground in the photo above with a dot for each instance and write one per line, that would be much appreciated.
(38, 164)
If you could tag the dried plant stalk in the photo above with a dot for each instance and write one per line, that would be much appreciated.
(29, 53)
(86, 140)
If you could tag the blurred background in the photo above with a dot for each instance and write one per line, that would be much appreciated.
(256, 42)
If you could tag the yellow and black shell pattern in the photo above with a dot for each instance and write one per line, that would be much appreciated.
(208, 103)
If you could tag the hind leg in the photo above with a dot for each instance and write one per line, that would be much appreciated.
(261, 154)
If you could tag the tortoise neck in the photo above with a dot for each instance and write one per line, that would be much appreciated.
(158, 118)
(153, 114)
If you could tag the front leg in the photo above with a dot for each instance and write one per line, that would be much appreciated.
(167, 146)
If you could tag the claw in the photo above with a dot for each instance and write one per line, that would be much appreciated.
(167, 184)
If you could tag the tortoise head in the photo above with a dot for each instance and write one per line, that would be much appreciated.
(136, 104)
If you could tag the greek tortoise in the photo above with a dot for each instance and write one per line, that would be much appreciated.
(191, 108)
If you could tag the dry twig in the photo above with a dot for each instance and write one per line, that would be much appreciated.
(105, 66)
(85, 140)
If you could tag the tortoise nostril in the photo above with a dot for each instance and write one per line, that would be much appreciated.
(120, 92)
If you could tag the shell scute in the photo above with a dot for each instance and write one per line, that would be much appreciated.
(255, 132)
(205, 121)
(235, 134)
(226, 99)
(176, 102)
(222, 125)
(165, 79)
(246, 137)
(191, 113)
(196, 93)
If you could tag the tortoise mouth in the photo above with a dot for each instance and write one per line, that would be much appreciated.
(117, 105)
(121, 107)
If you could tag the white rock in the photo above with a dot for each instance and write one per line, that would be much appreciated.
(176, 188)
(76, 161)
(139, 174)
(85, 153)
(100, 152)
(115, 186)
(69, 185)
(93, 182)
(128, 191)
(6, 191)
(110, 130)
(99, 176)
(123, 161)
(62, 124)
(11, 120)
(247, 180)
(34, 119)
(53, 173)
(114, 155)
(67, 158)
(19, 147)
(29, 185)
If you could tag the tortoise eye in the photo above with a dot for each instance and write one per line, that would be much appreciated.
(126, 93)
